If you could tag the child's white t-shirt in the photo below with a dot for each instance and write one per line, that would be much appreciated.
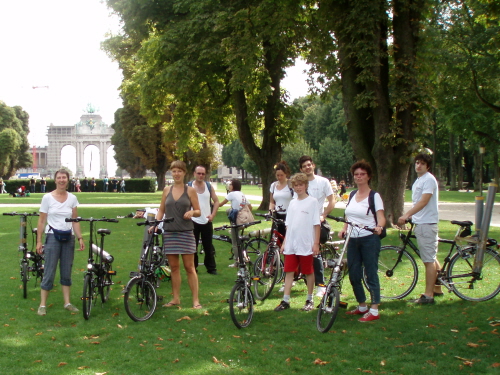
(302, 216)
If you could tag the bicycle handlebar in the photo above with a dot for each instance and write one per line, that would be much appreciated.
(78, 219)
(21, 214)
(156, 222)
(342, 220)
(238, 225)
(271, 217)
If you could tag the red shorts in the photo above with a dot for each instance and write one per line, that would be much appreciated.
(292, 262)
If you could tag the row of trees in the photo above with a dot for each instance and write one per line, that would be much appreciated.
(391, 74)
(14, 145)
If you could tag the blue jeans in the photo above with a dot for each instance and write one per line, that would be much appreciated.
(62, 252)
(364, 251)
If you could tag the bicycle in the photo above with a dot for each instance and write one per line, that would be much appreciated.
(97, 279)
(330, 303)
(269, 268)
(254, 243)
(36, 268)
(140, 292)
(399, 271)
(241, 299)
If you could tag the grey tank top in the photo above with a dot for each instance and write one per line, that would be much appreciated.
(177, 209)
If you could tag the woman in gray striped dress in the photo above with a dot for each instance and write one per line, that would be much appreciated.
(180, 202)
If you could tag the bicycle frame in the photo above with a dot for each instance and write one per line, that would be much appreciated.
(36, 268)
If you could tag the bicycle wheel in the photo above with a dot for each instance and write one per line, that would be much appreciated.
(266, 269)
(25, 278)
(328, 253)
(397, 275)
(106, 284)
(469, 288)
(241, 305)
(255, 247)
(140, 299)
(88, 295)
(328, 309)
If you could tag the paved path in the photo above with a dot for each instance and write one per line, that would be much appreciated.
(447, 211)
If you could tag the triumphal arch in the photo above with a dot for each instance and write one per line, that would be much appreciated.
(90, 131)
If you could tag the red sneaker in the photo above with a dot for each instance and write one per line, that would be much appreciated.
(356, 311)
(368, 317)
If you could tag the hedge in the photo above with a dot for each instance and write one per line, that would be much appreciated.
(137, 185)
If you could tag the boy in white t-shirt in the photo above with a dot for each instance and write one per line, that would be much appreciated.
(301, 241)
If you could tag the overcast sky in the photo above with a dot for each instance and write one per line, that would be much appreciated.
(54, 46)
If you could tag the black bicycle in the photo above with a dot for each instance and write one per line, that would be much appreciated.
(140, 293)
(254, 243)
(330, 303)
(31, 262)
(241, 299)
(97, 279)
(399, 271)
(269, 267)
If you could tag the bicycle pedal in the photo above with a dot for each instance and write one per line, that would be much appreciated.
(256, 278)
(110, 272)
(343, 305)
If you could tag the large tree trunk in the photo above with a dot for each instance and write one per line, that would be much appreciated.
(378, 134)
(453, 163)
(459, 163)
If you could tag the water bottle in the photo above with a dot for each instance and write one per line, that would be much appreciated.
(106, 257)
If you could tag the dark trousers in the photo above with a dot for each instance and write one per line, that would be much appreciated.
(205, 231)
(363, 252)
(319, 271)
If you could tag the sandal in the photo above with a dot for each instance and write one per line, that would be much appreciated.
(197, 307)
(171, 304)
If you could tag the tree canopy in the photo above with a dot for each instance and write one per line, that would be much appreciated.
(14, 130)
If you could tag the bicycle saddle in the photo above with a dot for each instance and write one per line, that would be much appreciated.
(462, 223)
(103, 231)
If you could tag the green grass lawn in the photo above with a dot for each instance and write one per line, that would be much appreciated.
(451, 337)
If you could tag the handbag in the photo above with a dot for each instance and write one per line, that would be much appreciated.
(244, 216)
(324, 232)
(61, 235)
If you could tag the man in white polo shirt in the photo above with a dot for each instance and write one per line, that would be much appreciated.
(424, 214)
(321, 189)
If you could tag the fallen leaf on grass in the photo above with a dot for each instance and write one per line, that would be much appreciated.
(297, 359)
(455, 330)
(95, 342)
(80, 352)
(468, 363)
(159, 348)
(6, 325)
(219, 362)
(318, 361)
(119, 326)
(61, 364)
(494, 365)
(433, 363)
(83, 367)
(38, 361)
(431, 326)
(115, 314)
(183, 318)
(382, 363)
(472, 345)
(175, 360)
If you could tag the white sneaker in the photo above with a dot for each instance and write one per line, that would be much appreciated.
(320, 291)
(232, 265)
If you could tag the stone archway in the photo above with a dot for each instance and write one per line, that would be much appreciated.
(91, 130)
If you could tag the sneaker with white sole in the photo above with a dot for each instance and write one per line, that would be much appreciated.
(282, 306)
(369, 317)
(308, 306)
(42, 310)
(71, 308)
(320, 291)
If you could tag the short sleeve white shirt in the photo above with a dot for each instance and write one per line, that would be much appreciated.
(426, 184)
(302, 216)
(319, 188)
(359, 213)
(282, 198)
(237, 199)
(57, 212)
